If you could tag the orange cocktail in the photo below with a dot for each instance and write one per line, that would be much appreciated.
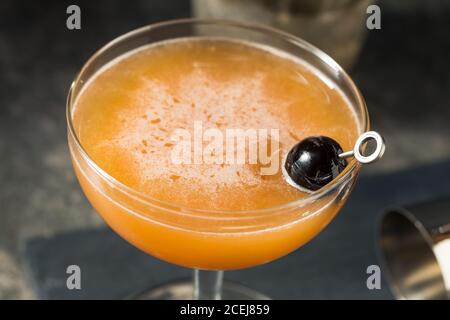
(125, 119)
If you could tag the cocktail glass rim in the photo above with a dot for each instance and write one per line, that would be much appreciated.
(353, 166)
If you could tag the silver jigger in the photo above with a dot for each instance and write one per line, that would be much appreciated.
(415, 245)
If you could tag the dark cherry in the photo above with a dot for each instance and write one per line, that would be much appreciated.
(314, 162)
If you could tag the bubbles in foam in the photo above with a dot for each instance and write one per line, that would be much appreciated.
(220, 104)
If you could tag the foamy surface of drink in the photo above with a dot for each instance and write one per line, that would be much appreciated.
(126, 117)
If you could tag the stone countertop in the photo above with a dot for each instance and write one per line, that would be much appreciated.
(403, 72)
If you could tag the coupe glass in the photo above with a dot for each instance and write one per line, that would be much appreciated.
(211, 241)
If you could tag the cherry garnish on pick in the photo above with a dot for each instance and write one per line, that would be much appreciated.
(316, 161)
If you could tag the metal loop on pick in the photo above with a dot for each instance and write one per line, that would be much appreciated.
(374, 156)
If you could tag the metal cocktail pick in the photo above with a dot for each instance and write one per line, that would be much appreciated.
(372, 157)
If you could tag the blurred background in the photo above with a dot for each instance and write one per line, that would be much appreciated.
(402, 69)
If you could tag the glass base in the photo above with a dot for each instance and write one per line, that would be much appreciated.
(184, 290)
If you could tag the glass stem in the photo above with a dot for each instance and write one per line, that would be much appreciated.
(208, 284)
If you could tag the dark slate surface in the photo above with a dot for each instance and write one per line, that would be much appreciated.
(332, 266)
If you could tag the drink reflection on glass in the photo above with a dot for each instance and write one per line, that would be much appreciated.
(137, 95)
